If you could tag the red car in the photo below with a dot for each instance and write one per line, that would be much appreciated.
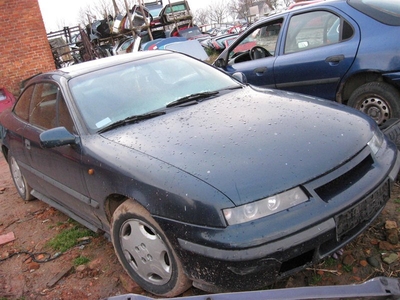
(6, 99)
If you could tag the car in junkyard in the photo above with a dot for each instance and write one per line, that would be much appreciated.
(342, 50)
(162, 20)
(198, 178)
(192, 33)
(218, 43)
(378, 288)
(7, 99)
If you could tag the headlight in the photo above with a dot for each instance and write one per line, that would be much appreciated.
(376, 141)
(264, 207)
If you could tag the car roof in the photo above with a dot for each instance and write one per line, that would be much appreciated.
(93, 65)
(305, 6)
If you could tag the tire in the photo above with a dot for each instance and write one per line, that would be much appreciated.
(379, 100)
(392, 130)
(145, 253)
(22, 186)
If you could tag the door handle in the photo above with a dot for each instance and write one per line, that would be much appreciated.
(335, 59)
(260, 71)
(28, 144)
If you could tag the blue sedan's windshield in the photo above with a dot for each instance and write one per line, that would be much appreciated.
(139, 87)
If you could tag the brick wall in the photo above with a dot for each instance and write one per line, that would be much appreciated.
(24, 49)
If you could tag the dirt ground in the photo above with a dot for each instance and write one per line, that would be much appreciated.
(33, 223)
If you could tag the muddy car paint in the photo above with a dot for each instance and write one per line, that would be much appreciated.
(191, 162)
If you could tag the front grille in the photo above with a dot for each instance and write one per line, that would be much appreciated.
(338, 185)
(362, 211)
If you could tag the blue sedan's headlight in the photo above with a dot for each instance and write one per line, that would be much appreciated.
(376, 141)
(264, 207)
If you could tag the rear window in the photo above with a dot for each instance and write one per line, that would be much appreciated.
(384, 11)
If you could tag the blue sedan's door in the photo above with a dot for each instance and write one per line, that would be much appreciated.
(255, 55)
(260, 73)
(318, 50)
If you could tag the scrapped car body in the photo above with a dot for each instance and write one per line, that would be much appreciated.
(383, 288)
(338, 50)
(7, 99)
(198, 178)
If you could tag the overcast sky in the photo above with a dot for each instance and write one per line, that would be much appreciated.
(58, 13)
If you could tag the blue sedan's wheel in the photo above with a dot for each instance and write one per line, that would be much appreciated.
(23, 188)
(145, 252)
(379, 100)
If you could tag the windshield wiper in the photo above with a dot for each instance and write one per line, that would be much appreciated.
(192, 97)
(132, 119)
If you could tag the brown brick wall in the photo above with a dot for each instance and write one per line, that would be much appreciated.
(24, 49)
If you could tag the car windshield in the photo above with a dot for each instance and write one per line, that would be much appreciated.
(155, 10)
(139, 87)
(190, 32)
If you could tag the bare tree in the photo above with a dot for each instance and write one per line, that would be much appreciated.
(240, 8)
(201, 16)
(61, 23)
(218, 12)
(288, 2)
(86, 15)
(272, 3)
(101, 9)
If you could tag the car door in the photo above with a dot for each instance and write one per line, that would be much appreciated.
(248, 56)
(59, 170)
(15, 135)
(319, 48)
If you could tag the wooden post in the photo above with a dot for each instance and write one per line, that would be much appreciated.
(116, 9)
(130, 19)
(145, 20)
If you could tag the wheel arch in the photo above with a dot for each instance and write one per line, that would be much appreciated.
(353, 82)
(4, 150)
(112, 202)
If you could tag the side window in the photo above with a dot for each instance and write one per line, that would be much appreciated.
(22, 107)
(316, 29)
(264, 38)
(42, 112)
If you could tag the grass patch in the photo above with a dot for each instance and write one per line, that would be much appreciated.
(330, 262)
(397, 200)
(81, 260)
(315, 279)
(212, 56)
(347, 268)
(68, 238)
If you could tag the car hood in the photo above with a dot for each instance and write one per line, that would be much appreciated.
(251, 145)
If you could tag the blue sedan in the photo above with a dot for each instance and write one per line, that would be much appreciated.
(340, 50)
(197, 178)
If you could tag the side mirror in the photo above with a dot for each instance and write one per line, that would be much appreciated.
(57, 137)
(220, 63)
(240, 77)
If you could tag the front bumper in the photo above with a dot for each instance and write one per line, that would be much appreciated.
(252, 255)
(254, 268)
